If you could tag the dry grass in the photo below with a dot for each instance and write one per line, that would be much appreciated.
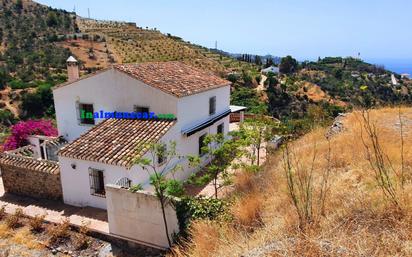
(14, 220)
(358, 219)
(36, 223)
(26, 238)
(59, 231)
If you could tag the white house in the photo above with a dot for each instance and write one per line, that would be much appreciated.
(271, 69)
(101, 151)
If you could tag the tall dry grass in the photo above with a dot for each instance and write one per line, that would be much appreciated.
(356, 218)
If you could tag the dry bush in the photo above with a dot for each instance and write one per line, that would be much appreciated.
(243, 182)
(203, 243)
(26, 238)
(81, 240)
(59, 231)
(247, 212)
(36, 223)
(14, 220)
(2, 212)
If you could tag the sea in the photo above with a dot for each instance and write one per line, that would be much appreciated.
(399, 66)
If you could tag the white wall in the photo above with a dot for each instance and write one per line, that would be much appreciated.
(138, 216)
(109, 91)
(195, 108)
(76, 185)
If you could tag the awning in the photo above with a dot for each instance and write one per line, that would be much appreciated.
(201, 125)
(237, 108)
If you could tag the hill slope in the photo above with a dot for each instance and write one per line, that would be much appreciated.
(356, 218)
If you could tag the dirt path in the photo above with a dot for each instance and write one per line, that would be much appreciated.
(261, 86)
(5, 97)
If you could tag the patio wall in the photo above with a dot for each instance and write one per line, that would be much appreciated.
(138, 216)
(30, 182)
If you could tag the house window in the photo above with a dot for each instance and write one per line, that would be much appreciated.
(141, 109)
(212, 105)
(96, 178)
(161, 154)
(220, 128)
(202, 144)
(86, 114)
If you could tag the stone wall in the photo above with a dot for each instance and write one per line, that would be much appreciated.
(31, 182)
(138, 217)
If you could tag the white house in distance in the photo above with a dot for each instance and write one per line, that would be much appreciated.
(271, 69)
(101, 151)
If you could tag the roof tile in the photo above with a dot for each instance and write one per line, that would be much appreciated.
(117, 141)
(173, 77)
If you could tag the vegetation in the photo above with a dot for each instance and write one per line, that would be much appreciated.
(28, 32)
(23, 129)
(315, 185)
(220, 152)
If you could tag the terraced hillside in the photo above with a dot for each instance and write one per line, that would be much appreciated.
(130, 43)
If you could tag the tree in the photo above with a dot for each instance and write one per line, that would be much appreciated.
(39, 103)
(52, 20)
(288, 65)
(255, 132)
(164, 186)
(220, 152)
(23, 129)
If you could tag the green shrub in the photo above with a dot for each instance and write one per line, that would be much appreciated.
(135, 188)
(18, 84)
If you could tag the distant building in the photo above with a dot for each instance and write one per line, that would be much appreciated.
(405, 76)
(394, 80)
(271, 69)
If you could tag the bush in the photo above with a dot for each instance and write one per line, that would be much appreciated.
(18, 84)
(13, 221)
(135, 188)
(2, 212)
(23, 129)
(80, 240)
(189, 209)
(59, 231)
(36, 223)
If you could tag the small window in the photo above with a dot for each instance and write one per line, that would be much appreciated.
(96, 178)
(202, 144)
(141, 109)
(220, 129)
(86, 114)
(161, 154)
(212, 105)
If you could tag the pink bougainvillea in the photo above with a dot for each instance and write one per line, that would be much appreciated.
(23, 129)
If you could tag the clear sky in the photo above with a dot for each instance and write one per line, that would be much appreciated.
(306, 29)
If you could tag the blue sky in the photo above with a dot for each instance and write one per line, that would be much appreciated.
(306, 29)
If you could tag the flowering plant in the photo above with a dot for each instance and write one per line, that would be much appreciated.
(23, 129)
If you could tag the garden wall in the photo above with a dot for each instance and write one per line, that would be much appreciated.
(34, 178)
(138, 216)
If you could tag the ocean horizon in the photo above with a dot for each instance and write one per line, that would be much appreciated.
(395, 65)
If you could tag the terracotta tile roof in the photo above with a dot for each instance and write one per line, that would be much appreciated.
(22, 158)
(174, 78)
(116, 141)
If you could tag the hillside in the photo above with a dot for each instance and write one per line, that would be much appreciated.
(127, 43)
(35, 41)
(355, 218)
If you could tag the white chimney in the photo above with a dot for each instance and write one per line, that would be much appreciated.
(72, 69)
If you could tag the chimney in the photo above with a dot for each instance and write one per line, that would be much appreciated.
(72, 69)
